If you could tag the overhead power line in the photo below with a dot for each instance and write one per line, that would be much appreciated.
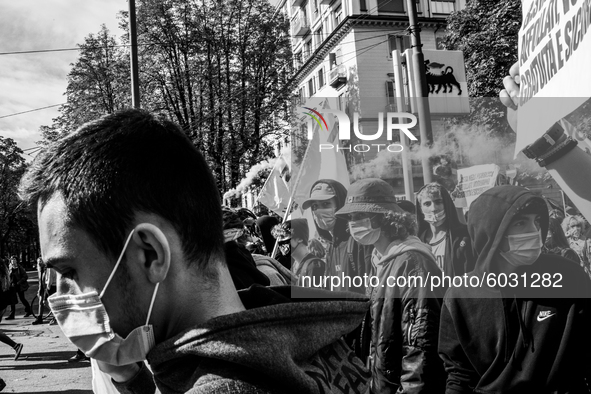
(31, 110)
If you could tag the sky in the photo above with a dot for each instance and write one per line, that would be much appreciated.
(30, 81)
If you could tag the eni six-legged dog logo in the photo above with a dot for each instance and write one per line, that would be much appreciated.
(344, 129)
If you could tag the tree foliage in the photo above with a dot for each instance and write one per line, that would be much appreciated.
(98, 84)
(218, 68)
(17, 222)
(486, 31)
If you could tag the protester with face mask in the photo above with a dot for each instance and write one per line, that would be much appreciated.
(440, 227)
(404, 317)
(344, 257)
(130, 218)
(525, 327)
(574, 230)
(556, 242)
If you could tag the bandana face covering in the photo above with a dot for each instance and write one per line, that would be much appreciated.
(84, 321)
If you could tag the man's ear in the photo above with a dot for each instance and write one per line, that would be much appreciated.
(153, 251)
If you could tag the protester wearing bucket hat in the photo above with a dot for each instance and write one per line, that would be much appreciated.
(344, 257)
(405, 317)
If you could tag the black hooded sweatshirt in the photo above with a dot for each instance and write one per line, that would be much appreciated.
(459, 258)
(521, 339)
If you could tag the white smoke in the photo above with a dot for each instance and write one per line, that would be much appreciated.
(249, 177)
(469, 145)
(466, 145)
(254, 171)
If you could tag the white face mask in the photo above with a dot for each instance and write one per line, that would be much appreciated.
(524, 249)
(84, 321)
(434, 217)
(325, 218)
(362, 232)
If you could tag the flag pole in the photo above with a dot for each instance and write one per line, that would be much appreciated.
(293, 190)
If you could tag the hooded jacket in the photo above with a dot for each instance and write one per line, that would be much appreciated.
(344, 256)
(515, 339)
(278, 345)
(265, 224)
(242, 267)
(405, 321)
(459, 258)
(278, 275)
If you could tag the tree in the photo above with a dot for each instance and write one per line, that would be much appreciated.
(17, 223)
(98, 84)
(218, 68)
(486, 31)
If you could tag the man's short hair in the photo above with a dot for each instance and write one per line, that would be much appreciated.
(129, 162)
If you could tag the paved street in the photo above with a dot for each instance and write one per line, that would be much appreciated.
(43, 366)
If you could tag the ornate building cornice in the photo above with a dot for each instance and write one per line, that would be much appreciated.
(345, 27)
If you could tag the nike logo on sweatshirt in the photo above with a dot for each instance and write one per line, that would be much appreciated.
(544, 315)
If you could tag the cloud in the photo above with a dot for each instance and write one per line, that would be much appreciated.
(29, 81)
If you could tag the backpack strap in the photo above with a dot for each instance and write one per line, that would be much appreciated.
(350, 246)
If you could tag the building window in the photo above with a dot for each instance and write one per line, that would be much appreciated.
(390, 5)
(302, 95)
(342, 104)
(338, 15)
(335, 58)
(303, 13)
(391, 95)
(332, 60)
(308, 49)
(402, 43)
(362, 5)
(321, 78)
(298, 60)
(319, 35)
(311, 87)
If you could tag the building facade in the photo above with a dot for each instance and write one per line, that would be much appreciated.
(343, 50)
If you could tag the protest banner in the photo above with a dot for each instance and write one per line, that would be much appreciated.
(472, 182)
(554, 58)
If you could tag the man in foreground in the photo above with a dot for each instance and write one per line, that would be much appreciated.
(130, 217)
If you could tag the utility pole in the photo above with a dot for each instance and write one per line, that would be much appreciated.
(421, 88)
(401, 107)
(135, 80)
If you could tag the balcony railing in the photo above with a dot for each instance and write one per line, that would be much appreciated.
(300, 26)
(337, 76)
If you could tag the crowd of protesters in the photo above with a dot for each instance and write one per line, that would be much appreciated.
(417, 339)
